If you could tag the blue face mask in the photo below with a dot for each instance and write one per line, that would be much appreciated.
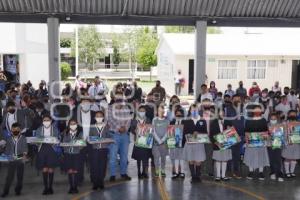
(194, 113)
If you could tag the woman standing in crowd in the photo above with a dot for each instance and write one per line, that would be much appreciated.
(194, 153)
(71, 154)
(177, 153)
(213, 90)
(159, 150)
(291, 152)
(99, 153)
(141, 155)
(47, 158)
(256, 157)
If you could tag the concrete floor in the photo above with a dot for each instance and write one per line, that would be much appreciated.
(156, 189)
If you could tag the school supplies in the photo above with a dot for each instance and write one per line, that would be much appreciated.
(227, 138)
(74, 143)
(174, 136)
(198, 138)
(258, 139)
(42, 140)
(293, 130)
(144, 138)
(278, 136)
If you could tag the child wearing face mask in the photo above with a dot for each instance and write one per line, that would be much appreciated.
(177, 153)
(159, 150)
(141, 155)
(99, 152)
(256, 157)
(71, 154)
(275, 154)
(16, 146)
(47, 159)
(291, 152)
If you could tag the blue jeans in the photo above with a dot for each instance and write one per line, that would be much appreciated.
(120, 146)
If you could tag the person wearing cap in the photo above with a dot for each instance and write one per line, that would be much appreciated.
(119, 120)
(254, 91)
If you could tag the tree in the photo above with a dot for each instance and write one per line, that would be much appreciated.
(65, 43)
(190, 29)
(147, 43)
(90, 45)
(65, 70)
(116, 56)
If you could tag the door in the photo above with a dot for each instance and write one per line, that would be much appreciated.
(191, 76)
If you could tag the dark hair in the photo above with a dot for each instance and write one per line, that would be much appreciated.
(203, 85)
(47, 116)
(10, 103)
(291, 111)
(15, 125)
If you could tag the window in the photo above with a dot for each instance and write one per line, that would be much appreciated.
(272, 63)
(227, 69)
(256, 69)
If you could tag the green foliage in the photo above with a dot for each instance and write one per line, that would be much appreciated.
(65, 70)
(90, 45)
(65, 42)
(116, 56)
(213, 30)
(179, 29)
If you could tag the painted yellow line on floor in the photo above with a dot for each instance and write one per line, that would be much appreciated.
(252, 194)
(78, 197)
(162, 189)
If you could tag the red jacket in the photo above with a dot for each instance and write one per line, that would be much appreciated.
(252, 90)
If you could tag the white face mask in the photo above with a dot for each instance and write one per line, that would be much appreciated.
(85, 107)
(273, 121)
(99, 119)
(73, 127)
(47, 123)
(141, 114)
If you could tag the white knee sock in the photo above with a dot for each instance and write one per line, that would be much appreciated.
(218, 169)
(251, 169)
(293, 165)
(287, 167)
(224, 166)
(261, 169)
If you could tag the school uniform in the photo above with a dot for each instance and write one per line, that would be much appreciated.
(194, 152)
(47, 157)
(256, 157)
(291, 151)
(15, 146)
(160, 127)
(218, 154)
(9, 119)
(177, 153)
(139, 153)
(72, 154)
(99, 155)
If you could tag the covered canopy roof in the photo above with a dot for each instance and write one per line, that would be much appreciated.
(235, 44)
(173, 12)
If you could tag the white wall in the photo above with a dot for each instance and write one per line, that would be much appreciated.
(166, 68)
(30, 41)
(281, 73)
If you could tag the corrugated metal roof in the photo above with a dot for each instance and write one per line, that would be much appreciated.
(235, 44)
(183, 11)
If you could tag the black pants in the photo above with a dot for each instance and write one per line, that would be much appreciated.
(236, 158)
(98, 165)
(275, 161)
(13, 167)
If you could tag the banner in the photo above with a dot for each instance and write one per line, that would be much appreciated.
(227, 138)
(74, 143)
(175, 136)
(257, 139)
(144, 137)
(278, 136)
(293, 132)
(99, 140)
(9, 158)
(198, 138)
(42, 140)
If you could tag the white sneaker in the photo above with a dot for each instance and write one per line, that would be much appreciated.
(273, 177)
(280, 179)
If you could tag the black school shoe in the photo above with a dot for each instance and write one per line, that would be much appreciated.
(225, 178)
(250, 176)
(145, 175)
(126, 177)
(112, 179)
(175, 175)
(181, 175)
(261, 176)
(45, 192)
